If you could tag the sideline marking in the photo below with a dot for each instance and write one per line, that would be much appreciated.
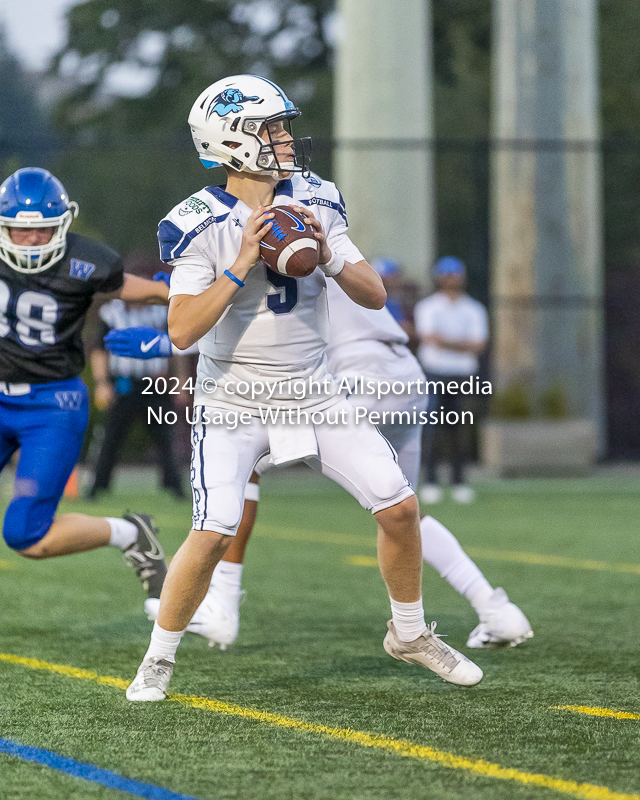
(401, 747)
(88, 772)
(7, 565)
(595, 711)
(516, 556)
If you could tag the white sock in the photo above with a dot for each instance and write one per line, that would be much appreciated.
(123, 532)
(163, 644)
(480, 600)
(443, 552)
(227, 577)
(408, 619)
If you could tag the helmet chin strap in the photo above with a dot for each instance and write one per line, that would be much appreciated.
(279, 174)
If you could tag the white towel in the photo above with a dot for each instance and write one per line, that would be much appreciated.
(291, 442)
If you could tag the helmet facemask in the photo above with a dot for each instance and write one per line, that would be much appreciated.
(30, 259)
(279, 151)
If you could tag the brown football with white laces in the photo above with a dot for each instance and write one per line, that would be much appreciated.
(290, 247)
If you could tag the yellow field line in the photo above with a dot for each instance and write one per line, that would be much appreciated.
(595, 711)
(401, 747)
(7, 565)
(515, 556)
(524, 558)
(551, 561)
(63, 669)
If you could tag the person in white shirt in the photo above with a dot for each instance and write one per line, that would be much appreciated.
(258, 328)
(453, 330)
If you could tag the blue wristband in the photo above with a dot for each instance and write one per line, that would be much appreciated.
(233, 277)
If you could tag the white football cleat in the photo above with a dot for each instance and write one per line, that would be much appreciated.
(431, 652)
(151, 681)
(218, 618)
(430, 493)
(502, 624)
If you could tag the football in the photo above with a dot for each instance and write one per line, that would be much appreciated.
(289, 248)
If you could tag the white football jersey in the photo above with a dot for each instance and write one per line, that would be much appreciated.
(351, 322)
(277, 327)
(366, 342)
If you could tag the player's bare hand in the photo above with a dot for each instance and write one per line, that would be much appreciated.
(257, 227)
(324, 252)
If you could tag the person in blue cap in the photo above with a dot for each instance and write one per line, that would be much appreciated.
(397, 289)
(453, 331)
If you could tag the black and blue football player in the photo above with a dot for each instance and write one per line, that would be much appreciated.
(48, 278)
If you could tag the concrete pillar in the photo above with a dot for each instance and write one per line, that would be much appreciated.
(546, 205)
(384, 157)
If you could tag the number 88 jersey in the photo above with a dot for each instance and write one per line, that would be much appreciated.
(42, 315)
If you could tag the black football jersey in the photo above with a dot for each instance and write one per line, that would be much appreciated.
(41, 315)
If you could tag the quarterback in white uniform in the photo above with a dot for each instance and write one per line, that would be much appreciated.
(257, 329)
(364, 345)
(369, 345)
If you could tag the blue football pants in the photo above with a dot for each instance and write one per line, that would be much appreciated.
(48, 427)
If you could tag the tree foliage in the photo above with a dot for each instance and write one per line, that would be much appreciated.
(462, 67)
(19, 111)
(180, 46)
(175, 48)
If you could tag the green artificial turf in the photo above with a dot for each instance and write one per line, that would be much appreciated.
(310, 647)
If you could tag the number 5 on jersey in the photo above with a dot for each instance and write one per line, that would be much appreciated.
(286, 298)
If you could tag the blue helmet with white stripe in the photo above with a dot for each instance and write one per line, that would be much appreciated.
(34, 198)
(244, 122)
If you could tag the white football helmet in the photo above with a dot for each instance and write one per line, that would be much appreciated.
(230, 118)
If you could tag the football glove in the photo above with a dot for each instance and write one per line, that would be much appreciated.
(140, 342)
(163, 276)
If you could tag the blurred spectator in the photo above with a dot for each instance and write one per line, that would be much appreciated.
(401, 295)
(453, 331)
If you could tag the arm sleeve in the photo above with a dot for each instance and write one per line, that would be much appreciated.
(191, 276)
(340, 243)
(193, 272)
(114, 280)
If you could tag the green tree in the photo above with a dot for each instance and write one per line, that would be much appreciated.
(462, 88)
(129, 159)
(23, 131)
(620, 103)
(178, 47)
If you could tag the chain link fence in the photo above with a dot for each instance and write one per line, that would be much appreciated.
(125, 185)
